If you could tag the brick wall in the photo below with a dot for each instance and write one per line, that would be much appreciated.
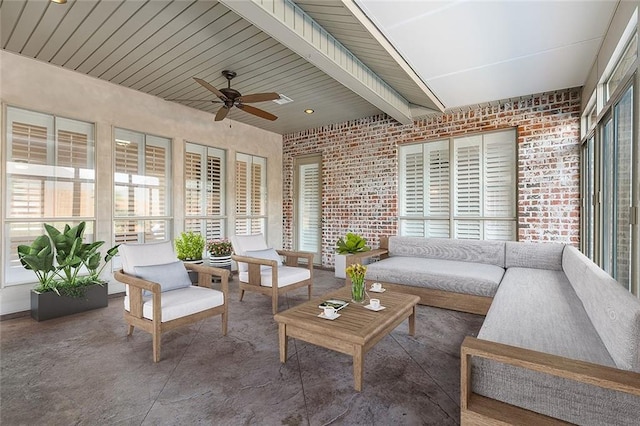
(359, 170)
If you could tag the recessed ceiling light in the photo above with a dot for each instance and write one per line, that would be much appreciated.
(308, 111)
(59, 1)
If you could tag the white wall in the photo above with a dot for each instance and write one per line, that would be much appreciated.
(38, 86)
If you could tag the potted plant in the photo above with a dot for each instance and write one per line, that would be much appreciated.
(220, 251)
(349, 244)
(68, 272)
(190, 246)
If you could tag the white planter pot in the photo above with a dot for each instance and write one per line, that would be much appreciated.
(220, 262)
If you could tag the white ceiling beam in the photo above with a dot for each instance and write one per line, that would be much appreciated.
(291, 26)
(391, 50)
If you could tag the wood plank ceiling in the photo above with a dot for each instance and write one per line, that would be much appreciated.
(158, 47)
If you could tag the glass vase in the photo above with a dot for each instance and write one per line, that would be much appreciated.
(357, 290)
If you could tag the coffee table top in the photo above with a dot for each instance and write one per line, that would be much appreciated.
(356, 324)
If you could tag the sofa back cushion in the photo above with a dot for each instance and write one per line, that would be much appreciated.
(489, 252)
(534, 255)
(614, 312)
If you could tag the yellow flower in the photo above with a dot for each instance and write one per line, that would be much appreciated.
(356, 271)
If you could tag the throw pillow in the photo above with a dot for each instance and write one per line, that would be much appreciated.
(269, 254)
(170, 276)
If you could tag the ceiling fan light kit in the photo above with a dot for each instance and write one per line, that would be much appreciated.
(231, 97)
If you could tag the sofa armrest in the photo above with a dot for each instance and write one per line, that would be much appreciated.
(358, 257)
(579, 371)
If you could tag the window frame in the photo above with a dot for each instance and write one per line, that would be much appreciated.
(251, 218)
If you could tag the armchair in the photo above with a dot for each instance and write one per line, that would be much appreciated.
(159, 294)
(260, 267)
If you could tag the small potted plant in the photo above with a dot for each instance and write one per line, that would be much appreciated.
(349, 244)
(68, 272)
(220, 251)
(190, 246)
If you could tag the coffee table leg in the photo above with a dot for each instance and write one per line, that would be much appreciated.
(358, 367)
(282, 338)
(412, 322)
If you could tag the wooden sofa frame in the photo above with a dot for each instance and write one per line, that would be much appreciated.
(479, 410)
(135, 318)
(292, 258)
(430, 297)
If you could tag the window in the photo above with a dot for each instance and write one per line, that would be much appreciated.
(204, 193)
(251, 194)
(142, 191)
(610, 178)
(50, 179)
(461, 187)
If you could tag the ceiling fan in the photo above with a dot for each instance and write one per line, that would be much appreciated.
(231, 97)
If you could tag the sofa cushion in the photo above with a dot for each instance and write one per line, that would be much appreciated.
(539, 310)
(489, 252)
(459, 277)
(614, 312)
(287, 275)
(534, 255)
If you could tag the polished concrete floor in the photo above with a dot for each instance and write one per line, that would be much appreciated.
(84, 370)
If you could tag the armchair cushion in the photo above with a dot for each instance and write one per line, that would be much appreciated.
(170, 276)
(133, 255)
(287, 275)
(243, 243)
(269, 254)
(181, 302)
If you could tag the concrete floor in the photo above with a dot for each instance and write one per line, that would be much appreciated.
(83, 369)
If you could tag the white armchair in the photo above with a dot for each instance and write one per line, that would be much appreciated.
(259, 267)
(159, 293)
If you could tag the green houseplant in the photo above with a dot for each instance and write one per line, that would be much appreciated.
(190, 246)
(68, 272)
(349, 244)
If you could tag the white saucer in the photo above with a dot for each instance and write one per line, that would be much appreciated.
(382, 290)
(371, 308)
(323, 316)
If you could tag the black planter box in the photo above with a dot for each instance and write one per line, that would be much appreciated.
(49, 305)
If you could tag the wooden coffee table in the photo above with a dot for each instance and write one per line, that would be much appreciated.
(356, 330)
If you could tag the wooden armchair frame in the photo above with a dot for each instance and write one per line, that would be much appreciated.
(134, 317)
(479, 410)
(254, 284)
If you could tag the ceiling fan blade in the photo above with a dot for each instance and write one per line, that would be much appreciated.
(210, 88)
(257, 111)
(222, 113)
(259, 97)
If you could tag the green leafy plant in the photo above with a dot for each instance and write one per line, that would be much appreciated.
(190, 246)
(59, 258)
(352, 243)
(220, 247)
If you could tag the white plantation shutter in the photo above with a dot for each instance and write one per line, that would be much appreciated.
(142, 176)
(471, 198)
(309, 205)
(251, 194)
(204, 191)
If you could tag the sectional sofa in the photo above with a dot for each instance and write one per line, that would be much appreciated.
(561, 338)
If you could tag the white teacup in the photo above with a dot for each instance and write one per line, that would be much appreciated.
(375, 303)
(376, 286)
(329, 311)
